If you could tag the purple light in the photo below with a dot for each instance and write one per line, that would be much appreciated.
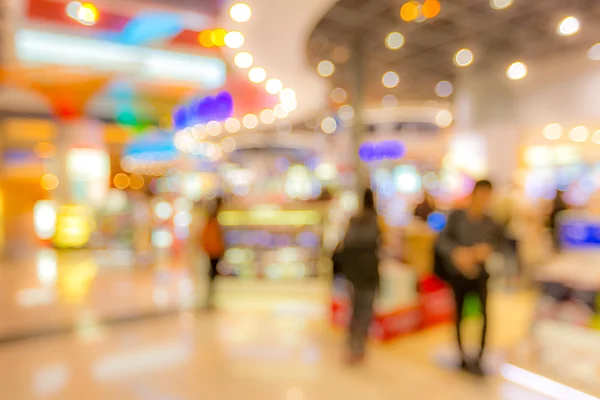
(378, 151)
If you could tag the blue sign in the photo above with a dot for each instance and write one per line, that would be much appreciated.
(579, 233)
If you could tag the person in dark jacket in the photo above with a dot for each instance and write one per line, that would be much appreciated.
(361, 268)
(462, 249)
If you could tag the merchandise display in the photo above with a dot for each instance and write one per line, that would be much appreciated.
(564, 341)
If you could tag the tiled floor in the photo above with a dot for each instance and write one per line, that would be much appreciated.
(268, 342)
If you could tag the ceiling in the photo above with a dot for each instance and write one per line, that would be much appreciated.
(352, 34)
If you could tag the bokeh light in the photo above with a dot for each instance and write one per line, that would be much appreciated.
(516, 71)
(500, 4)
(218, 37)
(280, 111)
(394, 40)
(596, 137)
(49, 182)
(568, 26)
(234, 40)
(240, 12)
(328, 125)
(86, 14)
(579, 134)
(273, 86)
(390, 79)
(463, 58)
(243, 60)
(444, 89)
(267, 116)
(410, 11)
(553, 131)
(250, 121)
(443, 118)
(431, 8)
(228, 145)
(257, 75)
(326, 68)
(594, 52)
(136, 182)
(232, 125)
(121, 181)
(213, 128)
(346, 112)
(205, 38)
(339, 95)
(389, 101)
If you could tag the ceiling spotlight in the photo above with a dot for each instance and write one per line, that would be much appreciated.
(267, 116)
(444, 89)
(553, 131)
(431, 8)
(579, 134)
(568, 26)
(516, 71)
(250, 121)
(339, 95)
(232, 125)
(243, 60)
(596, 137)
(410, 11)
(394, 40)
(500, 4)
(346, 112)
(594, 52)
(326, 68)
(257, 75)
(443, 118)
(390, 79)
(328, 125)
(389, 101)
(234, 40)
(463, 58)
(240, 12)
(273, 86)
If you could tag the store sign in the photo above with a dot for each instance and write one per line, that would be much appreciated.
(201, 111)
(379, 151)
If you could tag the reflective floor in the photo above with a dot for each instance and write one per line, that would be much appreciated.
(263, 342)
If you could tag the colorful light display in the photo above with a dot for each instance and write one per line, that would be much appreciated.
(202, 111)
(378, 151)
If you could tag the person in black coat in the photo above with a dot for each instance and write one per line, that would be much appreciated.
(360, 264)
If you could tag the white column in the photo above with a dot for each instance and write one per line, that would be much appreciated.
(486, 108)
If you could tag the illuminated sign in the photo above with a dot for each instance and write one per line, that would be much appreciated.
(46, 48)
(378, 151)
(201, 111)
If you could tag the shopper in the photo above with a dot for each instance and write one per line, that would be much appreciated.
(214, 246)
(360, 265)
(461, 251)
(558, 206)
(425, 208)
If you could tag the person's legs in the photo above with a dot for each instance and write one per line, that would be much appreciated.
(362, 314)
(212, 274)
(482, 293)
(460, 293)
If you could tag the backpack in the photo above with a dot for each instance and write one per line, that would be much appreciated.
(212, 239)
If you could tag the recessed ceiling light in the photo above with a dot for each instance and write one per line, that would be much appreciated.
(240, 12)
(553, 131)
(516, 71)
(463, 58)
(444, 89)
(326, 68)
(500, 4)
(579, 134)
(390, 79)
(394, 40)
(568, 26)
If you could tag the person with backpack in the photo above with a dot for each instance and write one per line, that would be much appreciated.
(213, 244)
(461, 251)
(359, 262)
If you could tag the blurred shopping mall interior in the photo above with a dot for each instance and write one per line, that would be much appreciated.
(122, 122)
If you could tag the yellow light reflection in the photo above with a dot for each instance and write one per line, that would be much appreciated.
(73, 227)
(270, 218)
